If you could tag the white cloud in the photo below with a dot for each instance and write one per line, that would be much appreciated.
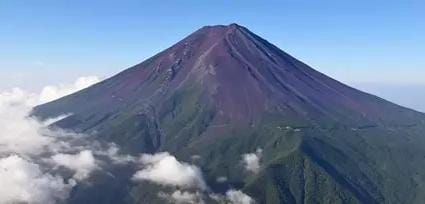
(233, 197)
(31, 143)
(183, 197)
(18, 132)
(238, 197)
(251, 161)
(22, 134)
(164, 169)
(23, 182)
(82, 163)
(50, 93)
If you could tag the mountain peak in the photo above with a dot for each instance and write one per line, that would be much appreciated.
(216, 32)
(231, 26)
(243, 76)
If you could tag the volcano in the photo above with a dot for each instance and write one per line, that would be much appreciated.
(224, 91)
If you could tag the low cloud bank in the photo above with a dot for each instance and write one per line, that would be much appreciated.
(19, 133)
(24, 182)
(30, 151)
(25, 135)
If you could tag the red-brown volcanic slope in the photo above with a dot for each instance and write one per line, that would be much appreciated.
(224, 91)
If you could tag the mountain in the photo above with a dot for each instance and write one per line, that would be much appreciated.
(222, 92)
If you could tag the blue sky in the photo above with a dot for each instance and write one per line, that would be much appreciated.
(357, 42)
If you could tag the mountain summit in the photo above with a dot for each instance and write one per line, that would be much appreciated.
(223, 91)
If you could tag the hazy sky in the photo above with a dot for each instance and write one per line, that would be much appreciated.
(358, 42)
